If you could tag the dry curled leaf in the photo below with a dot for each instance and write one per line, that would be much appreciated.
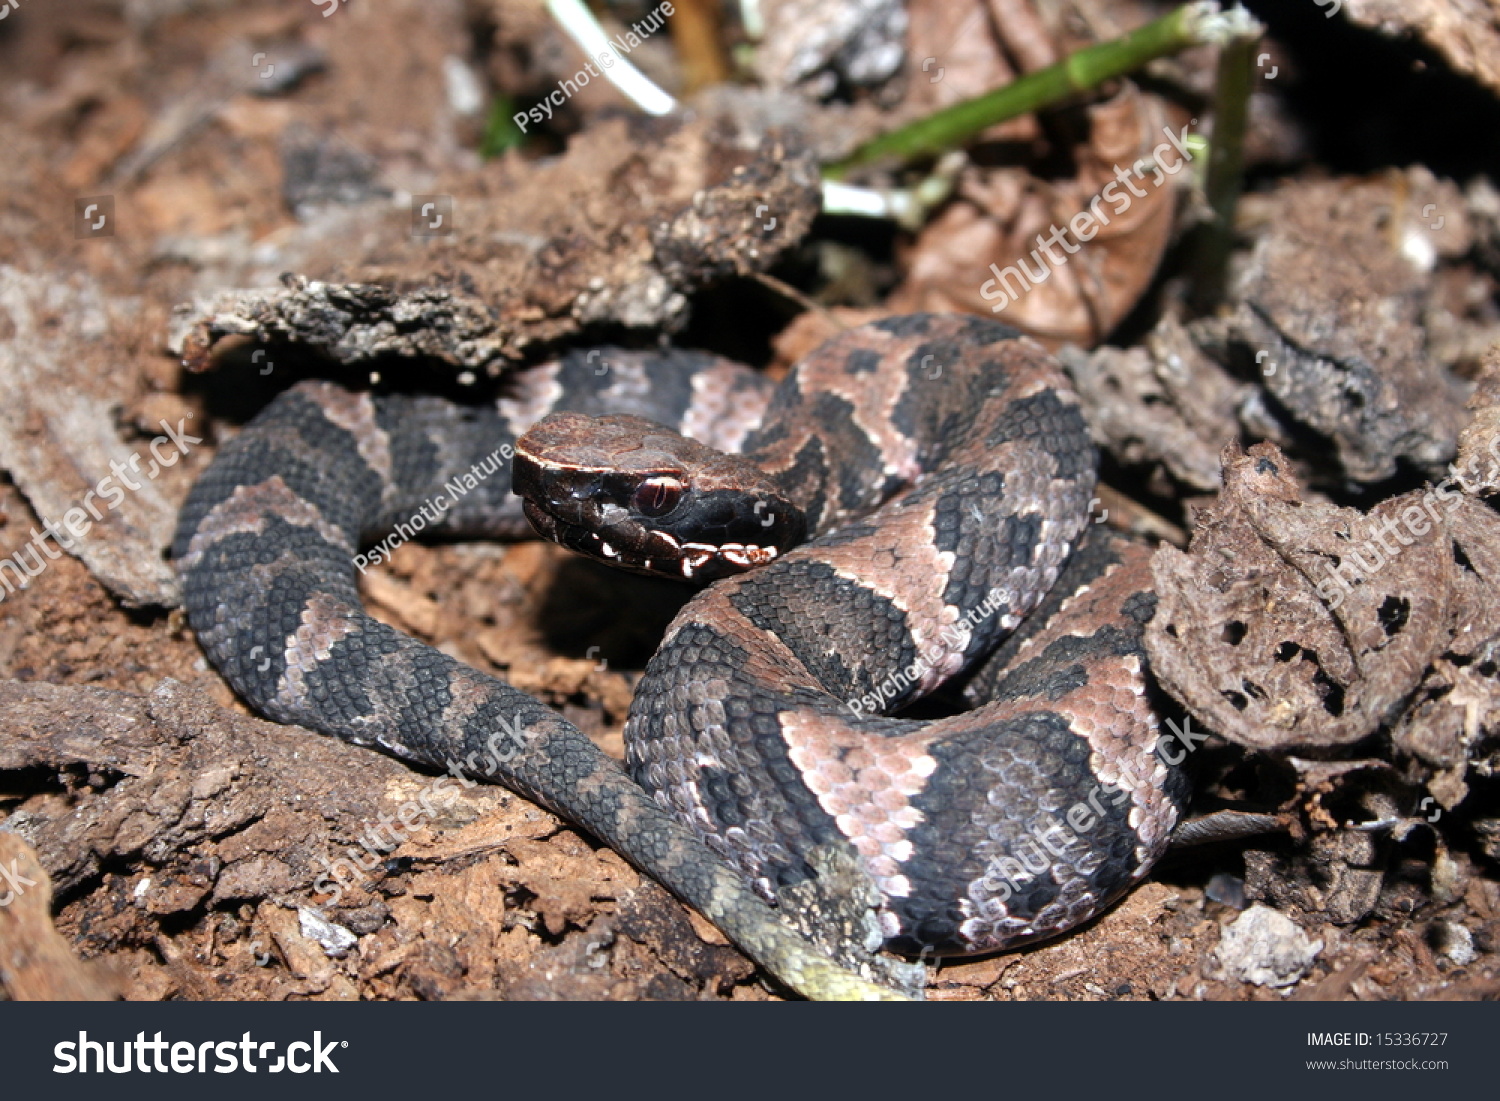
(1330, 308)
(1465, 32)
(36, 962)
(1458, 703)
(1080, 277)
(815, 44)
(1479, 443)
(1292, 623)
(59, 442)
(1166, 404)
(952, 56)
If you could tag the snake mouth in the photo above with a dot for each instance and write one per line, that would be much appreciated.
(652, 552)
(639, 497)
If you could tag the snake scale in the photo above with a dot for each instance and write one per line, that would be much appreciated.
(943, 469)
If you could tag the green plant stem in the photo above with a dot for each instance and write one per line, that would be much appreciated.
(1190, 25)
(1224, 179)
(500, 130)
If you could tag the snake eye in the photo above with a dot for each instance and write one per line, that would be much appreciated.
(657, 496)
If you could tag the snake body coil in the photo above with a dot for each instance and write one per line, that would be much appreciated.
(945, 472)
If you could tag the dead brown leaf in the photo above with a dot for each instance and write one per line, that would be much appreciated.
(1479, 444)
(1163, 405)
(1465, 32)
(985, 252)
(1330, 305)
(58, 438)
(1293, 623)
(36, 963)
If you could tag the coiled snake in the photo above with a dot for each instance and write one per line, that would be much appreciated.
(942, 467)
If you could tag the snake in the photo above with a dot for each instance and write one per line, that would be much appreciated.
(908, 708)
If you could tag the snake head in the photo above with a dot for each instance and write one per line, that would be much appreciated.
(641, 497)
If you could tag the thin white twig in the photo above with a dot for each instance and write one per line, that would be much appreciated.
(580, 25)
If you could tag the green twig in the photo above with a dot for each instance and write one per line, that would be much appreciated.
(1224, 179)
(1190, 25)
